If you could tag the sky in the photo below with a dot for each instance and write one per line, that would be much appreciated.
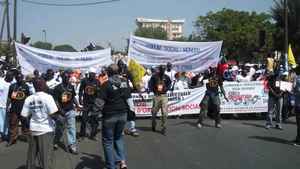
(114, 22)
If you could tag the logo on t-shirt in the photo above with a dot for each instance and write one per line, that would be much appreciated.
(18, 95)
(90, 90)
(66, 97)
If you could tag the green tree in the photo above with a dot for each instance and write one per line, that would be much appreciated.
(154, 33)
(42, 45)
(64, 48)
(293, 22)
(239, 31)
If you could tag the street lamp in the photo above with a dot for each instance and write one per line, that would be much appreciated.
(45, 35)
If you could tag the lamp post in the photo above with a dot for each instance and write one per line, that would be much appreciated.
(286, 31)
(45, 35)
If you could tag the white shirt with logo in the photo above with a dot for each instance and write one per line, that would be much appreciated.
(40, 105)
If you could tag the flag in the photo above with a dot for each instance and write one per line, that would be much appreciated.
(137, 71)
(291, 58)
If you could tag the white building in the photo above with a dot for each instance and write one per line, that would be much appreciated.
(174, 28)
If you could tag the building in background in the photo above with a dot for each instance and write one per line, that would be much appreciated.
(174, 28)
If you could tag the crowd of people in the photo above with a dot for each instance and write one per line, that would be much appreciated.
(46, 104)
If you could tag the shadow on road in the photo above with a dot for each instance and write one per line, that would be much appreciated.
(254, 125)
(90, 161)
(147, 129)
(271, 139)
(193, 124)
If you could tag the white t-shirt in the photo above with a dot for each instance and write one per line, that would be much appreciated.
(4, 87)
(180, 85)
(171, 74)
(40, 105)
(241, 78)
(145, 81)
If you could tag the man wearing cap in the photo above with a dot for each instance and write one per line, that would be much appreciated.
(87, 94)
(159, 84)
(17, 94)
(64, 95)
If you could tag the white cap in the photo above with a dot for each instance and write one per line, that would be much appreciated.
(92, 70)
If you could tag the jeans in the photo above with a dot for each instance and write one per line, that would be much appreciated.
(112, 139)
(274, 105)
(211, 101)
(86, 118)
(70, 123)
(3, 123)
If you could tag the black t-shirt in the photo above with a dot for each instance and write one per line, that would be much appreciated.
(18, 93)
(88, 90)
(65, 95)
(272, 84)
(213, 83)
(160, 84)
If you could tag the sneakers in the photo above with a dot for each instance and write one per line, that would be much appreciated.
(218, 125)
(11, 143)
(296, 144)
(55, 146)
(73, 149)
(279, 127)
(268, 126)
(199, 125)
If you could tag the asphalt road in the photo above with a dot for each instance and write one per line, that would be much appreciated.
(240, 144)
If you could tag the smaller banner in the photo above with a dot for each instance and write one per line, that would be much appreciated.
(245, 97)
(185, 56)
(31, 58)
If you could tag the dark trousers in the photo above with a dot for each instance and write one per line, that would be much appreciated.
(297, 111)
(14, 119)
(40, 147)
(211, 101)
(85, 119)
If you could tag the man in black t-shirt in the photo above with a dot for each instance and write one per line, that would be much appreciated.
(87, 95)
(211, 100)
(17, 94)
(64, 95)
(159, 84)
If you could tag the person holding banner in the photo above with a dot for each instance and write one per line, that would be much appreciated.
(211, 100)
(159, 84)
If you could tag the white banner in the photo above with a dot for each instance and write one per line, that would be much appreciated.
(244, 97)
(31, 58)
(185, 56)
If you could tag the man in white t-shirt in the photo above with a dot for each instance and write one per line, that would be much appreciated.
(4, 88)
(42, 108)
(170, 72)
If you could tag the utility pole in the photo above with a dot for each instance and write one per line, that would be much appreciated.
(3, 20)
(286, 31)
(15, 20)
(7, 22)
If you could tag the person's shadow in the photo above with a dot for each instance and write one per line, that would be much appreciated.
(254, 125)
(271, 139)
(90, 161)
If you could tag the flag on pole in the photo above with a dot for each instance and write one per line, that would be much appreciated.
(291, 58)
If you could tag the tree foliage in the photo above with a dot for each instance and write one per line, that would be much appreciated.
(154, 33)
(65, 48)
(42, 45)
(239, 31)
(293, 24)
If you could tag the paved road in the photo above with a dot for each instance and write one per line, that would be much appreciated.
(238, 145)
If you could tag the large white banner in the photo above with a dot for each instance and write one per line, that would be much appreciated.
(185, 56)
(244, 97)
(31, 58)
